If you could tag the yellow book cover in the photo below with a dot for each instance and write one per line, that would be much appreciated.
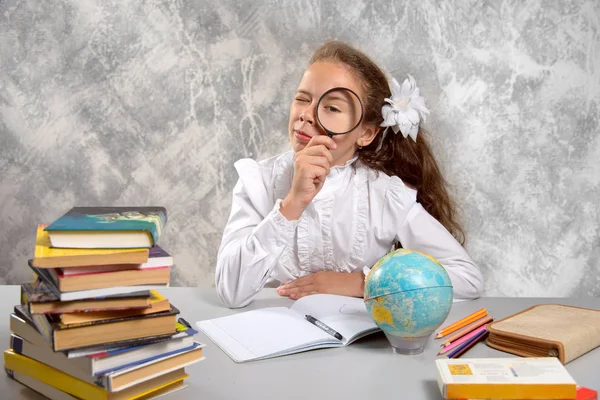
(78, 388)
(49, 257)
(504, 378)
(161, 390)
(53, 377)
(167, 389)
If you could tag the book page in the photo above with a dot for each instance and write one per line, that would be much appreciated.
(262, 333)
(346, 315)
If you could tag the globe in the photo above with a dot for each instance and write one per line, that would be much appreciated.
(409, 295)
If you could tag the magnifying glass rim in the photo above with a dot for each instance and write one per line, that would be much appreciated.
(362, 111)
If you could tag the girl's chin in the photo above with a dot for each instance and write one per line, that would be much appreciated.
(298, 147)
(297, 144)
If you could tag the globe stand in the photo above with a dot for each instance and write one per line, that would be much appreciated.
(407, 346)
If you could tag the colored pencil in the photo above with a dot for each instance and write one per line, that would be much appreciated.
(467, 329)
(457, 352)
(462, 340)
(462, 323)
(464, 349)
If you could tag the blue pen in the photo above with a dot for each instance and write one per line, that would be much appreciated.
(321, 325)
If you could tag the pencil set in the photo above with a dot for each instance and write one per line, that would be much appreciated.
(463, 334)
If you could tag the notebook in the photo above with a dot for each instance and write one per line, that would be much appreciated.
(277, 331)
(544, 330)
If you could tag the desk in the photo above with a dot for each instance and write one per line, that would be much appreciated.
(367, 369)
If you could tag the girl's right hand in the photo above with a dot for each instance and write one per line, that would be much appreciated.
(311, 168)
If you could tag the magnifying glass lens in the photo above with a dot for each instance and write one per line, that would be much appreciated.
(339, 111)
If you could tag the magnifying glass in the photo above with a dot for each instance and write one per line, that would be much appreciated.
(339, 111)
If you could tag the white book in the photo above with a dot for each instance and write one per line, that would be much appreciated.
(110, 291)
(277, 331)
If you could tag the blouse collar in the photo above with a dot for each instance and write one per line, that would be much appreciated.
(336, 169)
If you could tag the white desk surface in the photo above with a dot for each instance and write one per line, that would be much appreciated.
(367, 369)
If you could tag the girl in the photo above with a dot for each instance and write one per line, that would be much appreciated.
(311, 219)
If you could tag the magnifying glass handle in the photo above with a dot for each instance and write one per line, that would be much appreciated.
(330, 135)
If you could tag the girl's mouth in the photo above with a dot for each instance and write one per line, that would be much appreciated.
(301, 136)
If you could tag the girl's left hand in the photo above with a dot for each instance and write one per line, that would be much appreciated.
(330, 282)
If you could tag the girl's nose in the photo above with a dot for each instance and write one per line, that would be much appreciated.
(304, 117)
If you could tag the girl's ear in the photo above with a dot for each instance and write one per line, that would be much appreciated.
(369, 134)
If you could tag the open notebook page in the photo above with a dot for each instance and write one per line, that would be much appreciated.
(346, 315)
(264, 333)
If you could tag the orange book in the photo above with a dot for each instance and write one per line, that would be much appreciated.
(67, 337)
(101, 280)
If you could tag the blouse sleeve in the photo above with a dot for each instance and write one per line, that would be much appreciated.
(254, 238)
(416, 229)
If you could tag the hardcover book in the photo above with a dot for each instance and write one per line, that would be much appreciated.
(14, 362)
(66, 337)
(21, 324)
(41, 298)
(158, 303)
(108, 227)
(46, 256)
(102, 280)
(157, 258)
(45, 275)
(95, 370)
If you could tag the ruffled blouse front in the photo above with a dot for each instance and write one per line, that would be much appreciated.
(352, 222)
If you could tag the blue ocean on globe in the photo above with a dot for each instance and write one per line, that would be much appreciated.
(409, 295)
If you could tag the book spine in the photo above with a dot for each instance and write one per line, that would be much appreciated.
(44, 275)
(24, 298)
(55, 278)
(45, 328)
(16, 343)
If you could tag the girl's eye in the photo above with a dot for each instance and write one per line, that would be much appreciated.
(332, 109)
(302, 99)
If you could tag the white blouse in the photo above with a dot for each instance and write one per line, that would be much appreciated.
(352, 222)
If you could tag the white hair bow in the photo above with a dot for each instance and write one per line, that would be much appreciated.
(405, 108)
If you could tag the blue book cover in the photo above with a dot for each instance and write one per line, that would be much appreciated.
(149, 219)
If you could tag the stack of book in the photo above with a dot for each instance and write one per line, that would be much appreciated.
(92, 324)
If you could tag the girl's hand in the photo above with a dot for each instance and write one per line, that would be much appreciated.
(311, 167)
(330, 282)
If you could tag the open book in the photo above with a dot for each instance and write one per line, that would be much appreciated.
(277, 331)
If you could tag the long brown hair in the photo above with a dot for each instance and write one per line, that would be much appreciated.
(413, 162)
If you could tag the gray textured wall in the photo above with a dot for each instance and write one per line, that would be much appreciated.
(128, 102)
